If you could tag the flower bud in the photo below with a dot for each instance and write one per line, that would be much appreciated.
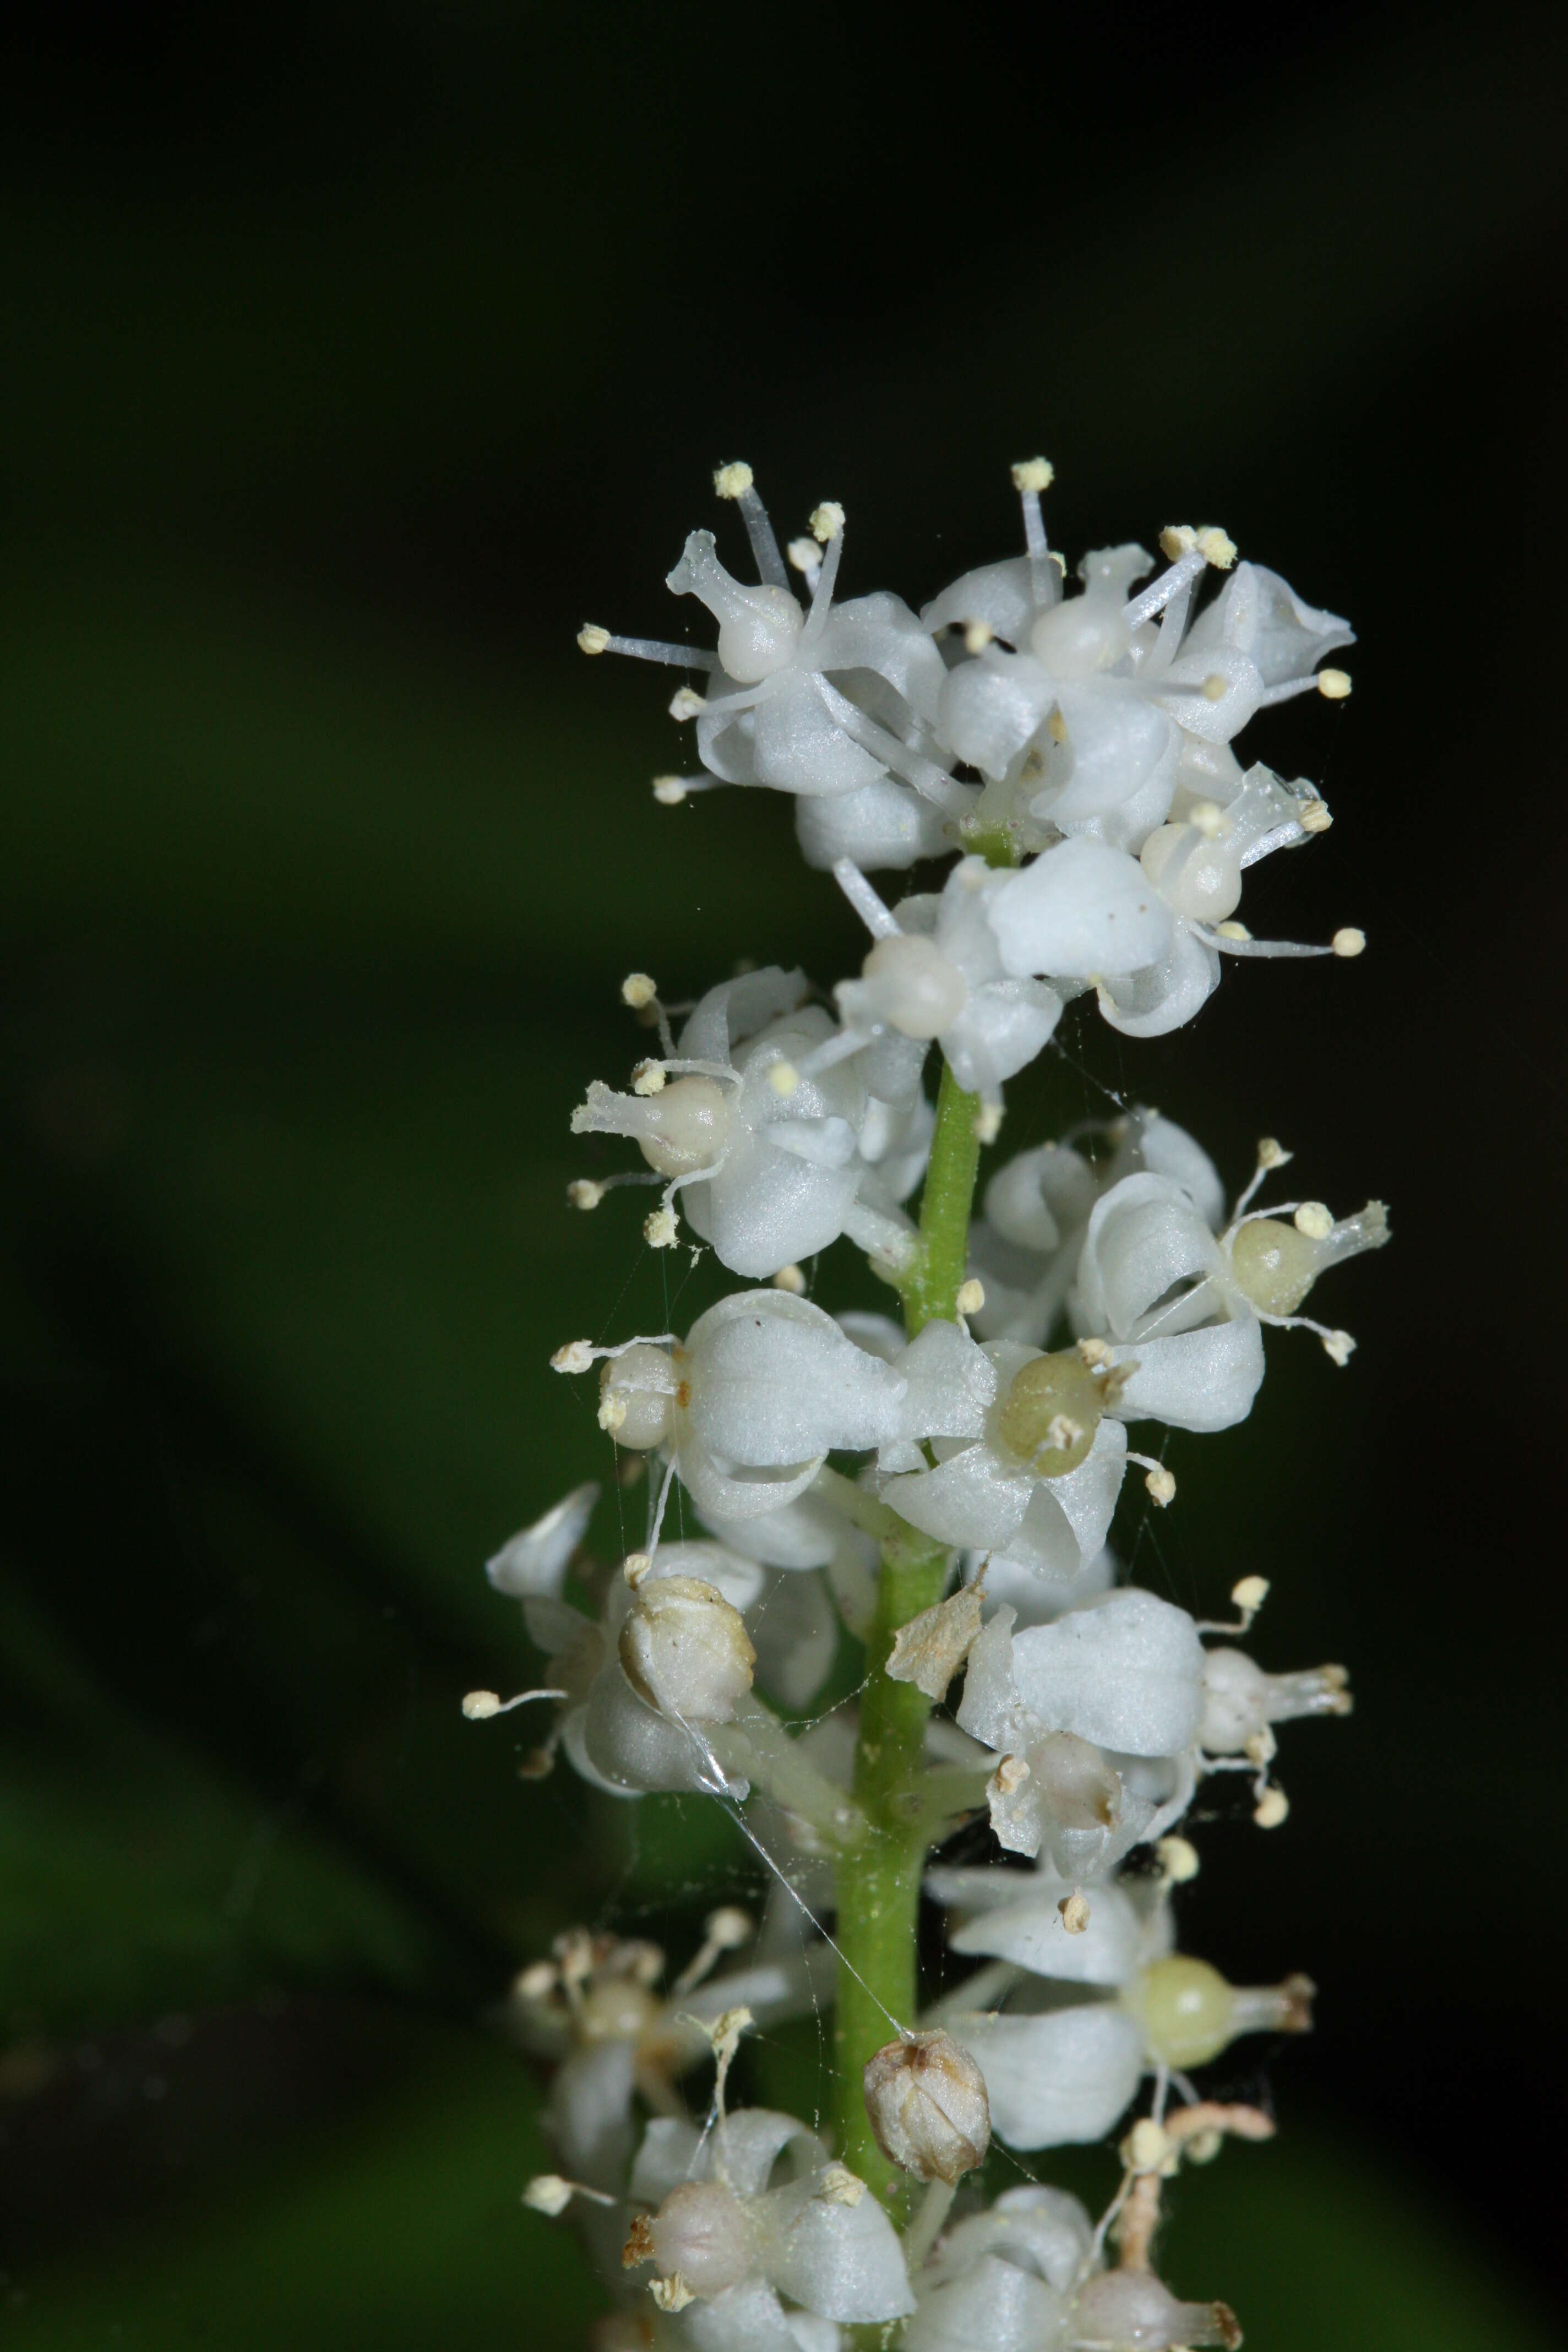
(701, 2233)
(1133, 2311)
(686, 1650)
(926, 2099)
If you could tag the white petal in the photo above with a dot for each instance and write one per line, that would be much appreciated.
(748, 2319)
(972, 1499)
(952, 1383)
(992, 1708)
(1062, 2077)
(1153, 1001)
(774, 1381)
(801, 747)
(883, 827)
(590, 2112)
(1201, 1380)
(1079, 909)
(637, 1748)
(795, 1631)
(721, 1020)
(992, 2306)
(742, 2149)
(669, 2155)
(990, 708)
(534, 1562)
(1127, 1673)
(1038, 2228)
(1123, 755)
(1031, 1935)
(1068, 1519)
(842, 2261)
(1006, 596)
(803, 1534)
(1144, 1238)
(1167, 1150)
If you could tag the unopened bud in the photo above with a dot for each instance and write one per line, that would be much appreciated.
(686, 1650)
(926, 2099)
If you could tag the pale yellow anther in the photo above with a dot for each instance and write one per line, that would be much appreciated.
(1074, 1909)
(672, 2293)
(669, 791)
(971, 1296)
(1057, 727)
(592, 639)
(686, 702)
(988, 1122)
(1271, 1809)
(547, 2192)
(647, 1078)
(1339, 1347)
(1232, 930)
(977, 636)
(660, 1230)
(612, 1412)
(1249, 1594)
(1204, 2147)
(1147, 2146)
(1349, 941)
(789, 1278)
(839, 2186)
(637, 990)
(1216, 546)
(575, 1356)
(635, 1568)
(826, 520)
(1313, 816)
(1262, 1748)
(783, 1078)
(729, 1927)
(1315, 1219)
(1333, 685)
(1162, 1486)
(535, 1982)
(1178, 1860)
(1208, 818)
(1177, 538)
(1095, 1354)
(734, 480)
(1035, 474)
(1215, 687)
(479, 1705)
(583, 1194)
(805, 554)
(1010, 1775)
(1271, 1152)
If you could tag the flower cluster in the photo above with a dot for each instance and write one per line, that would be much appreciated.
(940, 1489)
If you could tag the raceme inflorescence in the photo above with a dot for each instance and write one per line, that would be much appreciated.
(1030, 1728)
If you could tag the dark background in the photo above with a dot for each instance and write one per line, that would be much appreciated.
(355, 357)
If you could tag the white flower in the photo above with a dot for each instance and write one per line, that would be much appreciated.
(1031, 1467)
(1181, 1307)
(1025, 1248)
(774, 1145)
(936, 971)
(1066, 1707)
(1002, 2281)
(752, 2210)
(1147, 932)
(613, 1735)
(1056, 2075)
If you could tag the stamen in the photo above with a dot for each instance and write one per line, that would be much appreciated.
(479, 1706)
(1189, 566)
(737, 481)
(591, 639)
(876, 917)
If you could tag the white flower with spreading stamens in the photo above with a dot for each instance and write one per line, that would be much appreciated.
(749, 2212)
(1147, 932)
(1056, 2075)
(936, 972)
(1025, 1248)
(769, 1134)
(834, 703)
(1104, 1719)
(1181, 1308)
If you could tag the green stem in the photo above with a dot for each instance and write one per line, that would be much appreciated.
(931, 1287)
(879, 1885)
